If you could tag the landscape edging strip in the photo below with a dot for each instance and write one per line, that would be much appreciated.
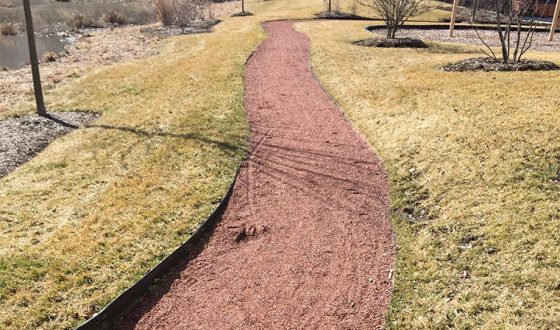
(129, 298)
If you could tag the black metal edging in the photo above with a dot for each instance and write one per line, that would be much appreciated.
(111, 313)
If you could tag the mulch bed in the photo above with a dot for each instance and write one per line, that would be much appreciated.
(242, 14)
(335, 14)
(24, 137)
(306, 240)
(490, 64)
(392, 43)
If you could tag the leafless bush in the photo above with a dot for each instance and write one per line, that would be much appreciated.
(79, 21)
(181, 12)
(396, 12)
(188, 11)
(114, 18)
(49, 57)
(164, 9)
(515, 38)
(8, 29)
(6, 4)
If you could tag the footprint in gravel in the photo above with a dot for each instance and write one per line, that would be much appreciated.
(244, 233)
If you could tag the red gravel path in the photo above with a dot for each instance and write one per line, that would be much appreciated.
(305, 241)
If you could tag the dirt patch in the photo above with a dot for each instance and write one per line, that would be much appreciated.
(305, 241)
(490, 64)
(392, 43)
(24, 137)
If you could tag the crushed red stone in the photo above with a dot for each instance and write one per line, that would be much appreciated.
(305, 241)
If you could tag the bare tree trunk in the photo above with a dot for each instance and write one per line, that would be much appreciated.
(330, 6)
(474, 8)
(242, 6)
(41, 110)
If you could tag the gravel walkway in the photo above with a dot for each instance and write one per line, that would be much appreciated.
(540, 39)
(305, 242)
(24, 137)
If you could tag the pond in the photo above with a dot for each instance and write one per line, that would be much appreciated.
(14, 52)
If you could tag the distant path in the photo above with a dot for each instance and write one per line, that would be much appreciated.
(305, 242)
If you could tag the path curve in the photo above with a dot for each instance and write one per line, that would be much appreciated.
(305, 241)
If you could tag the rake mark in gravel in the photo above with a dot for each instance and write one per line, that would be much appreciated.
(305, 241)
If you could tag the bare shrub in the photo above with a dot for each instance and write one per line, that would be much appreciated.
(164, 10)
(49, 57)
(6, 4)
(190, 11)
(510, 21)
(396, 12)
(8, 29)
(79, 21)
(181, 12)
(114, 18)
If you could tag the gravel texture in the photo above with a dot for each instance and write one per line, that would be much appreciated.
(540, 39)
(24, 137)
(490, 64)
(306, 241)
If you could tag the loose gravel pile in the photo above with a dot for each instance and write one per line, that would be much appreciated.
(24, 137)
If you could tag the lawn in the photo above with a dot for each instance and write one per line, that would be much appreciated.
(473, 161)
(474, 167)
(101, 206)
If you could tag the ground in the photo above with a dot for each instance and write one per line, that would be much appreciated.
(473, 162)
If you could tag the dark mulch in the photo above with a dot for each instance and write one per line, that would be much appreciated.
(490, 64)
(392, 43)
(191, 28)
(335, 14)
(242, 14)
(23, 138)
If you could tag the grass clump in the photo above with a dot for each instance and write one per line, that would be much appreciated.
(472, 160)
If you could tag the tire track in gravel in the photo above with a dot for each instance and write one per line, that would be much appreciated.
(306, 240)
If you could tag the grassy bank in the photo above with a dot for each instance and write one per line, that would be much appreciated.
(473, 160)
(99, 207)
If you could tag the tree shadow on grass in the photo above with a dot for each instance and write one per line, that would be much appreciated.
(187, 136)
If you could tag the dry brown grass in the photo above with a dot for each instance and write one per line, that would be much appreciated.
(473, 160)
